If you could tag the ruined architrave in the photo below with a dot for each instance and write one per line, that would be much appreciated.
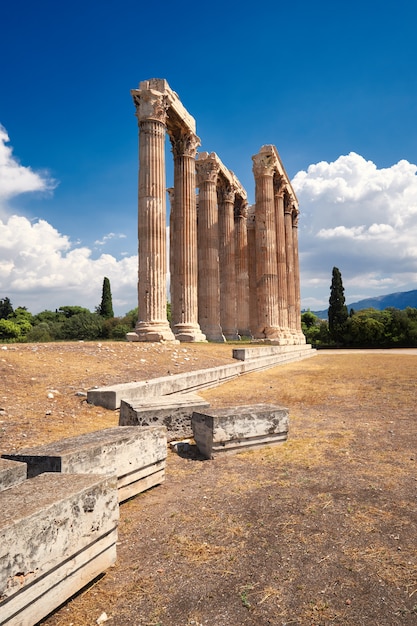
(234, 268)
(277, 266)
(159, 111)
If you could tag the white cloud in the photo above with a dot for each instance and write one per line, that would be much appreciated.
(106, 238)
(360, 219)
(16, 179)
(40, 270)
(39, 267)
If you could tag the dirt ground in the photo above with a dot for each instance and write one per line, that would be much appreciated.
(319, 530)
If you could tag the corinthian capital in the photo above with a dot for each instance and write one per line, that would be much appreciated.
(184, 144)
(278, 185)
(207, 170)
(263, 165)
(295, 218)
(150, 105)
(226, 193)
(241, 210)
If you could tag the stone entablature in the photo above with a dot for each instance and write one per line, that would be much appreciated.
(234, 269)
(159, 111)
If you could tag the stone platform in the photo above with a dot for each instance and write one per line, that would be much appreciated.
(251, 359)
(58, 532)
(136, 456)
(239, 428)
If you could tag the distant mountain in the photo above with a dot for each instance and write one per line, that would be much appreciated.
(400, 300)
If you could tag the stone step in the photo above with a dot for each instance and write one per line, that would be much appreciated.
(137, 456)
(136, 392)
(58, 532)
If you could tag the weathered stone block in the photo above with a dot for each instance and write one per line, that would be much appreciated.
(239, 428)
(137, 456)
(11, 473)
(174, 412)
(57, 533)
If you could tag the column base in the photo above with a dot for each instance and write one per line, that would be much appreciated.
(231, 335)
(214, 333)
(274, 334)
(188, 333)
(152, 332)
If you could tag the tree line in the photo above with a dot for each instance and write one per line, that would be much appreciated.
(65, 323)
(367, 328)
(359, 329)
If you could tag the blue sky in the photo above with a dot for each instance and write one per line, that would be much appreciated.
(332, 85)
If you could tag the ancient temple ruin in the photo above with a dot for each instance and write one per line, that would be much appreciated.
(234, 268)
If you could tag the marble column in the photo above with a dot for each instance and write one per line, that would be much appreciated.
(266, 251)
(171, 265)
(281, 259)
(242, 276)
(289, 244)
(151, 111)
(208, 249)
(300, 334)
(184, 299)
(226, 196)
(253, 300)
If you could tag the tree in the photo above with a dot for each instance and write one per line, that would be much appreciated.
(337, 313)
(106, 307)
(6, 308)
(9, 331)
(87, 326)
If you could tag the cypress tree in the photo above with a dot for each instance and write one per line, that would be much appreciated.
(337, 313)
(6, 308)
(106, 307)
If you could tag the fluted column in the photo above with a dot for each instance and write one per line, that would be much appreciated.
(266, 252)
(242, 276)
(300, 334)
(289, 244)
(226, 197)
(171, 196)
(184, 299)
(151, 108)
(281, 259)
(208, 248)
(253, 299)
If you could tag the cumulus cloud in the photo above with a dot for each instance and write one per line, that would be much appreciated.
(361, 219)
(15, 178)
(40, 270)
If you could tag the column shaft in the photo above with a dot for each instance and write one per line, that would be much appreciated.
(253, 300)
(184, 281)
(208, 251)
(242, 276)
(227, 264)
(266, 253)
(152, 293)
(281, 261)
(290, 268)
(301, 336)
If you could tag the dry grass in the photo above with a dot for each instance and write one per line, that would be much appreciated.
(318, 531)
